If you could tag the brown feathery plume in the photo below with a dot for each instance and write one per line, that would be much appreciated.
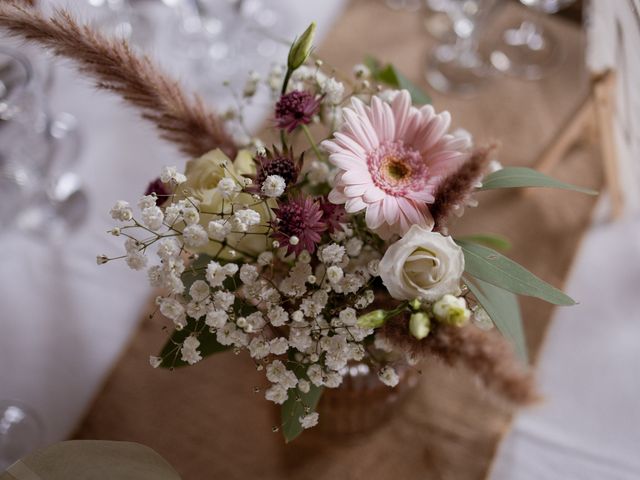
(487, 355)
(117, 68)
(458, 186)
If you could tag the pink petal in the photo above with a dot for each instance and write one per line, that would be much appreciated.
(373, 194)
(345, 161)
(362, 129)
(349, 143)
(357, 176)
(401, 106)
(354, 205)
(355, 190)
(374, 216)
(424, 196)
(390, 209)
(337, 197)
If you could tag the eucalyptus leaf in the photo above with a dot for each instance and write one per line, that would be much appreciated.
(293, 409)
(391, 76)
(491, 240)
(170, 354)
(492, 267)
(92, 460)
(504, 310)
(520, 177)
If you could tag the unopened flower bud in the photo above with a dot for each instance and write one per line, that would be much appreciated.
(372, 319)
(419, 325)
(415, 304)
(452, 310)
(301, 48)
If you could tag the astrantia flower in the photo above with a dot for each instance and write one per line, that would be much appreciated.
(296, 108)
(160, 189)
(300, 218)
(333, 215)
(276, 162)
(391, 159)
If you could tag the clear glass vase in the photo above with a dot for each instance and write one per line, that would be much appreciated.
(362, 402)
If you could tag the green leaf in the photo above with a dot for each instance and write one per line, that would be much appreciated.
(392, 77)
(520, 177)
(92, 459)
(209, 345)
(293, 409)
(493, 267)
(491, 240)
(504, 310)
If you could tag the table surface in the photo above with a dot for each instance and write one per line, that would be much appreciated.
(65, 322)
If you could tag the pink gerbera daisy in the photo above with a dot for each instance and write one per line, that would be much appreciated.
(391, 159)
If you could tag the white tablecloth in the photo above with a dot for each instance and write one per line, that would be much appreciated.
(64, 320)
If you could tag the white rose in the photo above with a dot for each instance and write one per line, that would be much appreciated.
(422, 264)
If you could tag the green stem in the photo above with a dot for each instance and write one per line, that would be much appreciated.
(314, 146)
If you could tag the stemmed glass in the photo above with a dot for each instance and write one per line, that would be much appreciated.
(21, 432)
(38, 192)
(527, 49)
(218, 39)
(121, 19)
(458, 68)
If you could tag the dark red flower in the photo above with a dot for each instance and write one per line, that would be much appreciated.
(299, 217)
(277, 162)
(333, 215)
(296, 108)
(160, 189)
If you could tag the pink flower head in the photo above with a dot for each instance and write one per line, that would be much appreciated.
(333, 215)
(391, 160)
(301, 218)
(296, 108)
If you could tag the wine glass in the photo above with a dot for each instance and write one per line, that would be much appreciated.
(21, 432)
(37, 150)
(528, 49)
(222, 39)
(119, 18)
(458, 68)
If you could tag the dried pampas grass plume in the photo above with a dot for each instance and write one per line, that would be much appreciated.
(486, 354)
(459, 185)
(117, 68)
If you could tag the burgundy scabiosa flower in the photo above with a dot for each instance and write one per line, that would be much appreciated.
(296, 108)
(276, 162)
(333, 215)
(299, 225)
(160, 189)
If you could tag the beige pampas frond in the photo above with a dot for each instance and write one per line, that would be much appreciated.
(117, 68)
(487, 355)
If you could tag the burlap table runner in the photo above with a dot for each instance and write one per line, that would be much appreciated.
(207, 421)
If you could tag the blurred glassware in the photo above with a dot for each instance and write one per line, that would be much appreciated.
(220, 39)
(123, 20)
(21, 432)
(408, 5)
(37, 150)
(458, 68)
(437, 21)
(528, 49)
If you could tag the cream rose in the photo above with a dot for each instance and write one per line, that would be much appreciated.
(422, 264)
(203, 176)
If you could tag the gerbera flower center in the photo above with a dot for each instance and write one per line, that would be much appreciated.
(397, 169)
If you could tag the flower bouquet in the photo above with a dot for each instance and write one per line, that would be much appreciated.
(313, 254)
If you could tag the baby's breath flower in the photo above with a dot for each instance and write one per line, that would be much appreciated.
(121, 211)
(309, 420)
(388, 376)
(273, 186)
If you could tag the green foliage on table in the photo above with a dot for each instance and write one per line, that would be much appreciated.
(503, 308)
(391, 76)
(294, 407)
(492, 267)
(521, 177)
(94, 460)
(170, 354)
(490, 240)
